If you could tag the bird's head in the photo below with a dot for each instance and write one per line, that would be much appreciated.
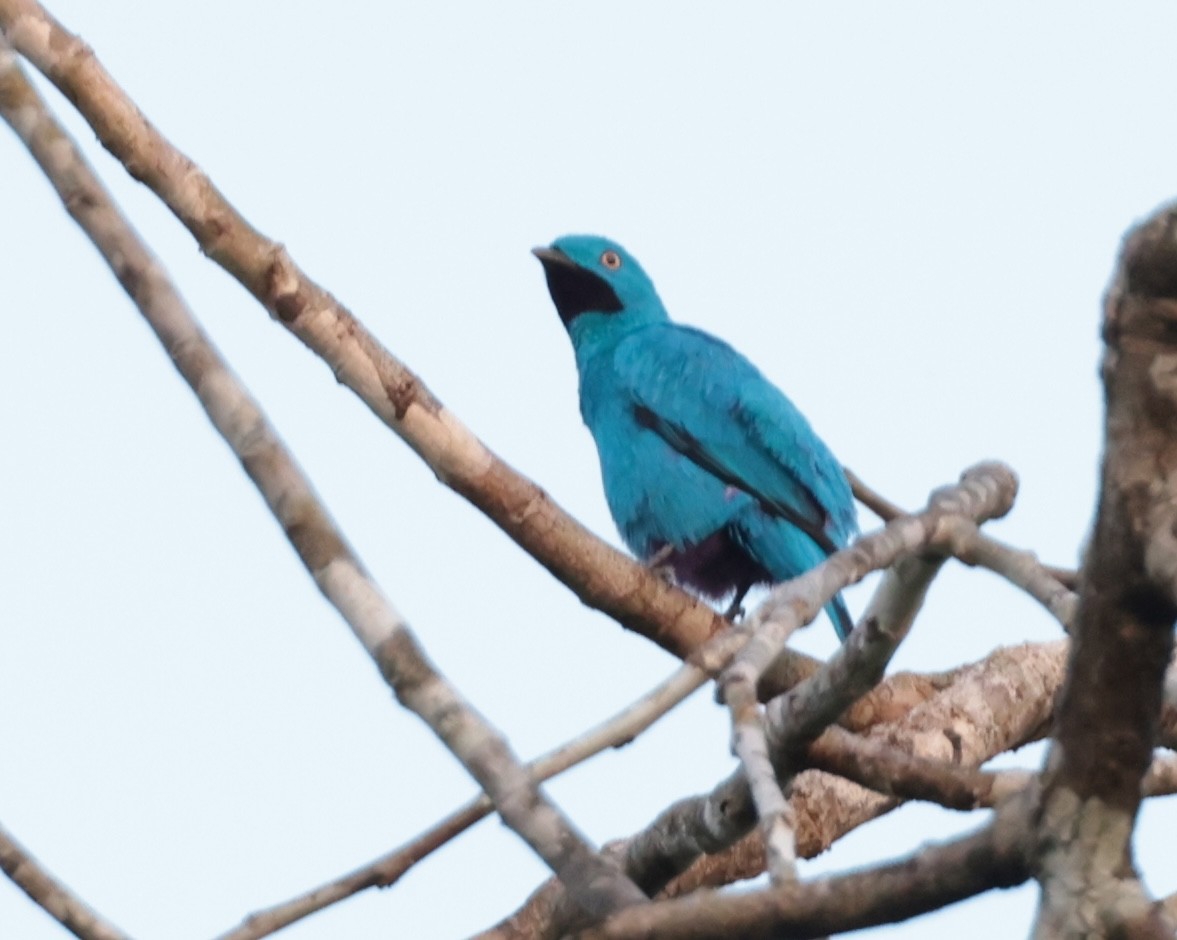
(597, 285)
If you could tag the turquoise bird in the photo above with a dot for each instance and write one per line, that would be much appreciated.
(708, 468)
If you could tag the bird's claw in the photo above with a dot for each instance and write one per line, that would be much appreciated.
(658, 567)
(734, 610)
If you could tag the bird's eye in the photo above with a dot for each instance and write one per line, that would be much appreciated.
(611, 260)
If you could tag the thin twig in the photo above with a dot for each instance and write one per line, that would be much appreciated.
(767, 743)
(794, 719)
(983, 546)
(1021, 568)
(858, 664)
(74, 914)
(991, 706)
(872, 499)
(801, 714)
(389, 868)
(984, 491)
(750, 745)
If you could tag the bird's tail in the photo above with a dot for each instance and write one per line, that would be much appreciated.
(838, 613)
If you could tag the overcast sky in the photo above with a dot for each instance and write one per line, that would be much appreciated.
(905, 214)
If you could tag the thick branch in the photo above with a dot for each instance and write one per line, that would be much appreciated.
(768, 745)
(991, 706)
(1109, 708)
(892, 772)
(995, 857)
(984, 491)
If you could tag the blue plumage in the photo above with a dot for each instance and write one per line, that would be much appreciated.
(707, 466)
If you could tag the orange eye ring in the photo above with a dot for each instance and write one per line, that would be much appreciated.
(611, 259)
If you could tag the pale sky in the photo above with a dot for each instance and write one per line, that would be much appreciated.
(905, 214)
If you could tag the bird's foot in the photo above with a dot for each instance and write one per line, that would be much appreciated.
(660, 556)
(658, 567)
(736, 608)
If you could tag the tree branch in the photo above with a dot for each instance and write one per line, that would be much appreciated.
(984, 492)
(1109, 707)
(891, 772)
(1020, 567)
(991, 706)
(767, 745)
(995, 857)
(764, 744)
(388, 869)
(320, 545)
(1052, 588)
(601, 576)
(855, 669)
(46, 891)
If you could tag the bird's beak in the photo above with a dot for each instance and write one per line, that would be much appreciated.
(553, 256)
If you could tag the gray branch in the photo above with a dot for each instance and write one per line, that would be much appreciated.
(1108, 712)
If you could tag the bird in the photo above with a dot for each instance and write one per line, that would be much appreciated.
(709, 470)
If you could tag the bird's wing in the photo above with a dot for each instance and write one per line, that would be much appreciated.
(714, 407)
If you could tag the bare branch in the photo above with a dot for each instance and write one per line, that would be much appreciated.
(888, 701)
(46, 891)
(891, 772)
(1108, 711)
(389, 868)
(766, 744)
(858, 664)
(750, 744)
(1169, 908)
(1049, 586)
(763, 743)
(1052, 587)
(996, 857)
(600, 575)
(321, 547)
(1161, 778)
(991, 706)
(872, 499)
(985, 491)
